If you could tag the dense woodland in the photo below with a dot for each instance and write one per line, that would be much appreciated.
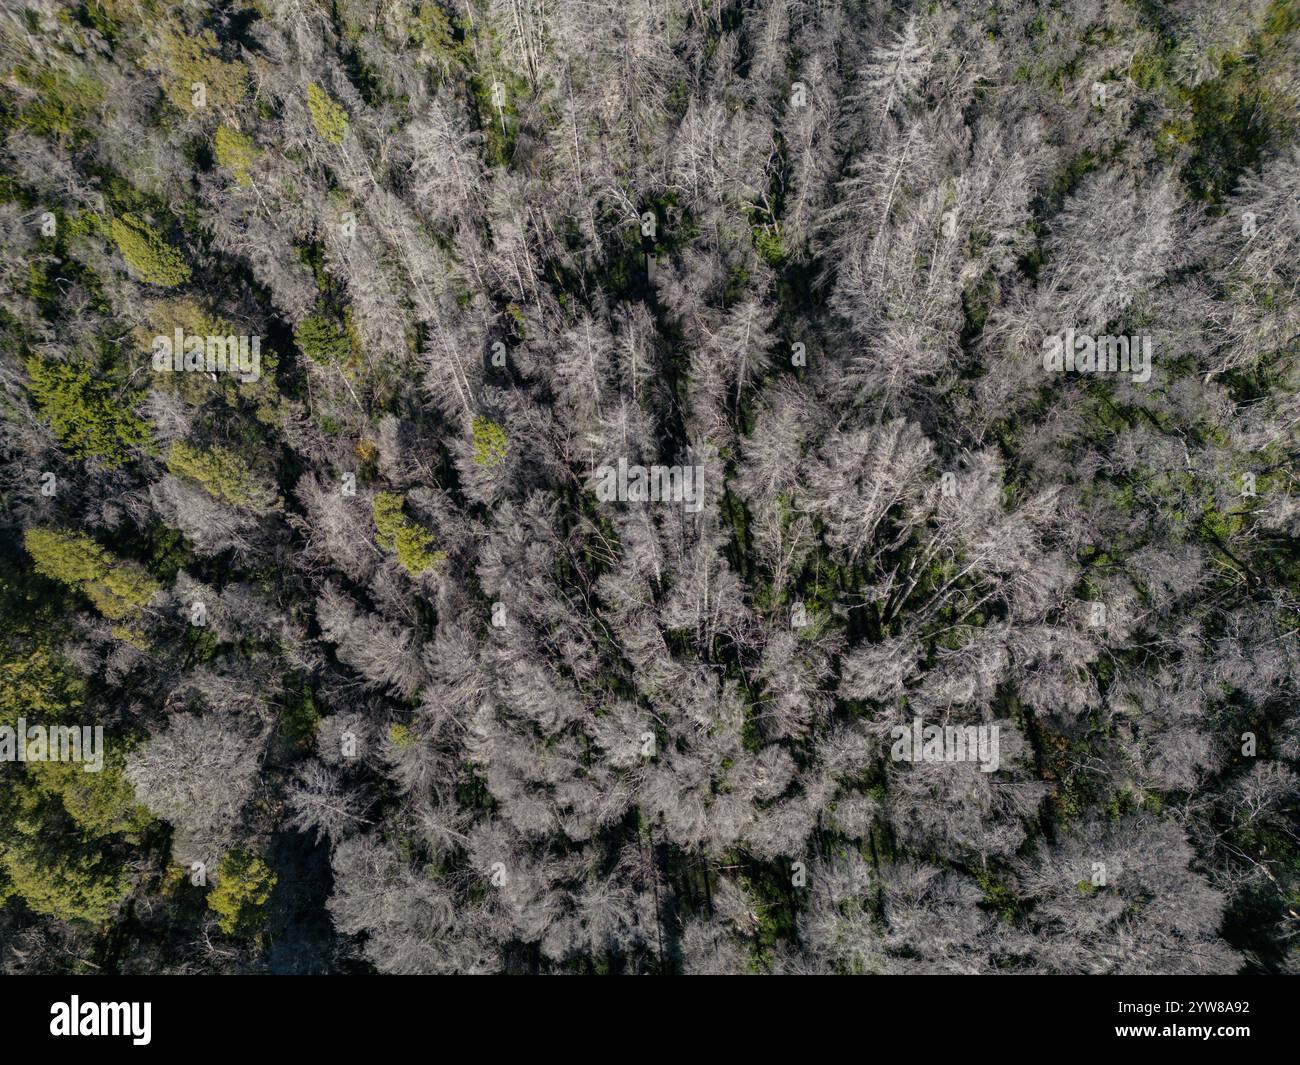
(386, 687)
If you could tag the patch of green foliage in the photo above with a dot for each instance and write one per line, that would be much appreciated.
(1230, 120)
(117, 588)
(62, 829)
(323, 340)
(234, 151)
(490, 443)
(83, 412)
(998, 897)
(301, 717)
(148, 255)
(60, 104)
(54, 873)
(330, 120)
(35, 682)
(244, 884)
(220, 472)
(411, 542)
(769, 245)
(189, 59)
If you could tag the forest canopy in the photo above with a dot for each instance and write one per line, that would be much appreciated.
(650, 486)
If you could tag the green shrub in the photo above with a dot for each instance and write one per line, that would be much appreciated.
(490, 443)
(401, 736)
(59, 878)
(189, 58)
(244, 883)
(61, 102)
(150, 257)
(83, 412)
(221, 473)
(412, 543)
(769, 245)
(330, 120)
(301, 717)
(322, 340)
(116, 588)
(235, 151)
